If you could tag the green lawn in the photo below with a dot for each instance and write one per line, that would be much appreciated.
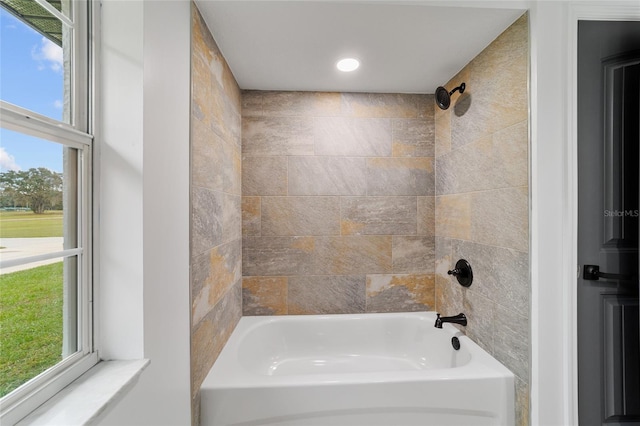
(30, 324)
(15, 224)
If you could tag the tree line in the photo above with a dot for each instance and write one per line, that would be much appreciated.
(38, 189)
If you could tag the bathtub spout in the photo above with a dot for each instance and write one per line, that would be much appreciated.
(456, 319)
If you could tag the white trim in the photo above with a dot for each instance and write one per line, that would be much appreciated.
(25, 121)
(42, 387)
(37, 258)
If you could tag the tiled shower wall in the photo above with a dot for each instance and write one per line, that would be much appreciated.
(482, 205)
(215, 205)
(337, 202)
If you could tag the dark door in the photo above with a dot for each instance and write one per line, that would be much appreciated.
(608, 192)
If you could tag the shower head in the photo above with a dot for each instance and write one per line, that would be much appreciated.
(443, 97)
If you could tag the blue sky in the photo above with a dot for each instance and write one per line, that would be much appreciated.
(31, 76)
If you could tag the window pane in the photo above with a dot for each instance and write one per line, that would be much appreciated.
(37, 320)
(38, 193)
(34, 61)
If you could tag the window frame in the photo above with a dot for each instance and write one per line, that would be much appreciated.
(78, 134)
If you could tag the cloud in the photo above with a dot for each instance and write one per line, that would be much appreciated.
(7, 161)
(57, 104)
(48, 54)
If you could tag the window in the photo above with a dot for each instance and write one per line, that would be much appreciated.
(45, 201)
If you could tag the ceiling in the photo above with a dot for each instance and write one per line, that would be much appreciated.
(403, 46)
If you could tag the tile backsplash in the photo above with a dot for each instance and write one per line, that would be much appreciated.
(338, 202)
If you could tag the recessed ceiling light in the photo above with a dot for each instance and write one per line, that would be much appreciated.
(348, 64)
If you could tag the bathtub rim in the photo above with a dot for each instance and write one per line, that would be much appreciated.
(228, 373)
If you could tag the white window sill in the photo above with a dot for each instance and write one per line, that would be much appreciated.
(84, 400)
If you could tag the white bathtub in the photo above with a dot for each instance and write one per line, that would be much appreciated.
(365, 369)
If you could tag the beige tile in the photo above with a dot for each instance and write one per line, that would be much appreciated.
(442, 131)
(480, 312)
(522, 402)
(206, 156)
(300, 216)
(426, 216)
(209, 336)
(264, 296)
(501, 218)
(378, 215)
(400, 176)
(453, 216)
(327, 176)
(206, 219)
(252, 101)
(388, 105)
(251, 212)
(264, 175)
(341, 136)
(309, 104)
(231, 217)
(278, 256)
(413, 254)
(351, 255)
(263, 136)
(231, 168)
(413, 137)
(400, 293)
(512, 341)
(214, 273)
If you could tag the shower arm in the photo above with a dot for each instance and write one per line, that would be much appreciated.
(460, 88)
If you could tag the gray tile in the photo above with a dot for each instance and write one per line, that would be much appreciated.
(300, 216)
(231, 168)
(357, 254)
(367, 137)
(206, 220)
(501, 218)
(379, 215)
(500, 274)
(251, 213)
(343, 294)
(213, 274)
(252, 101)
(413, 255)
(391, 105)
(496, 161)
(309, 104)
(231, 217)
(480, 312)
(277, 136)
(327, 176)
(264, 175)
(278, 256)
(426, 218)
(414, 137)
(512, 341)
(400, 176)
(206, 156)
(209, 336)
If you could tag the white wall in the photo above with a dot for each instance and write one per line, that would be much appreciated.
(120, 211)
(550, 381)
(144, 251)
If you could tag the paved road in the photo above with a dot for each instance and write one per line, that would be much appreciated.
(15, 248)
